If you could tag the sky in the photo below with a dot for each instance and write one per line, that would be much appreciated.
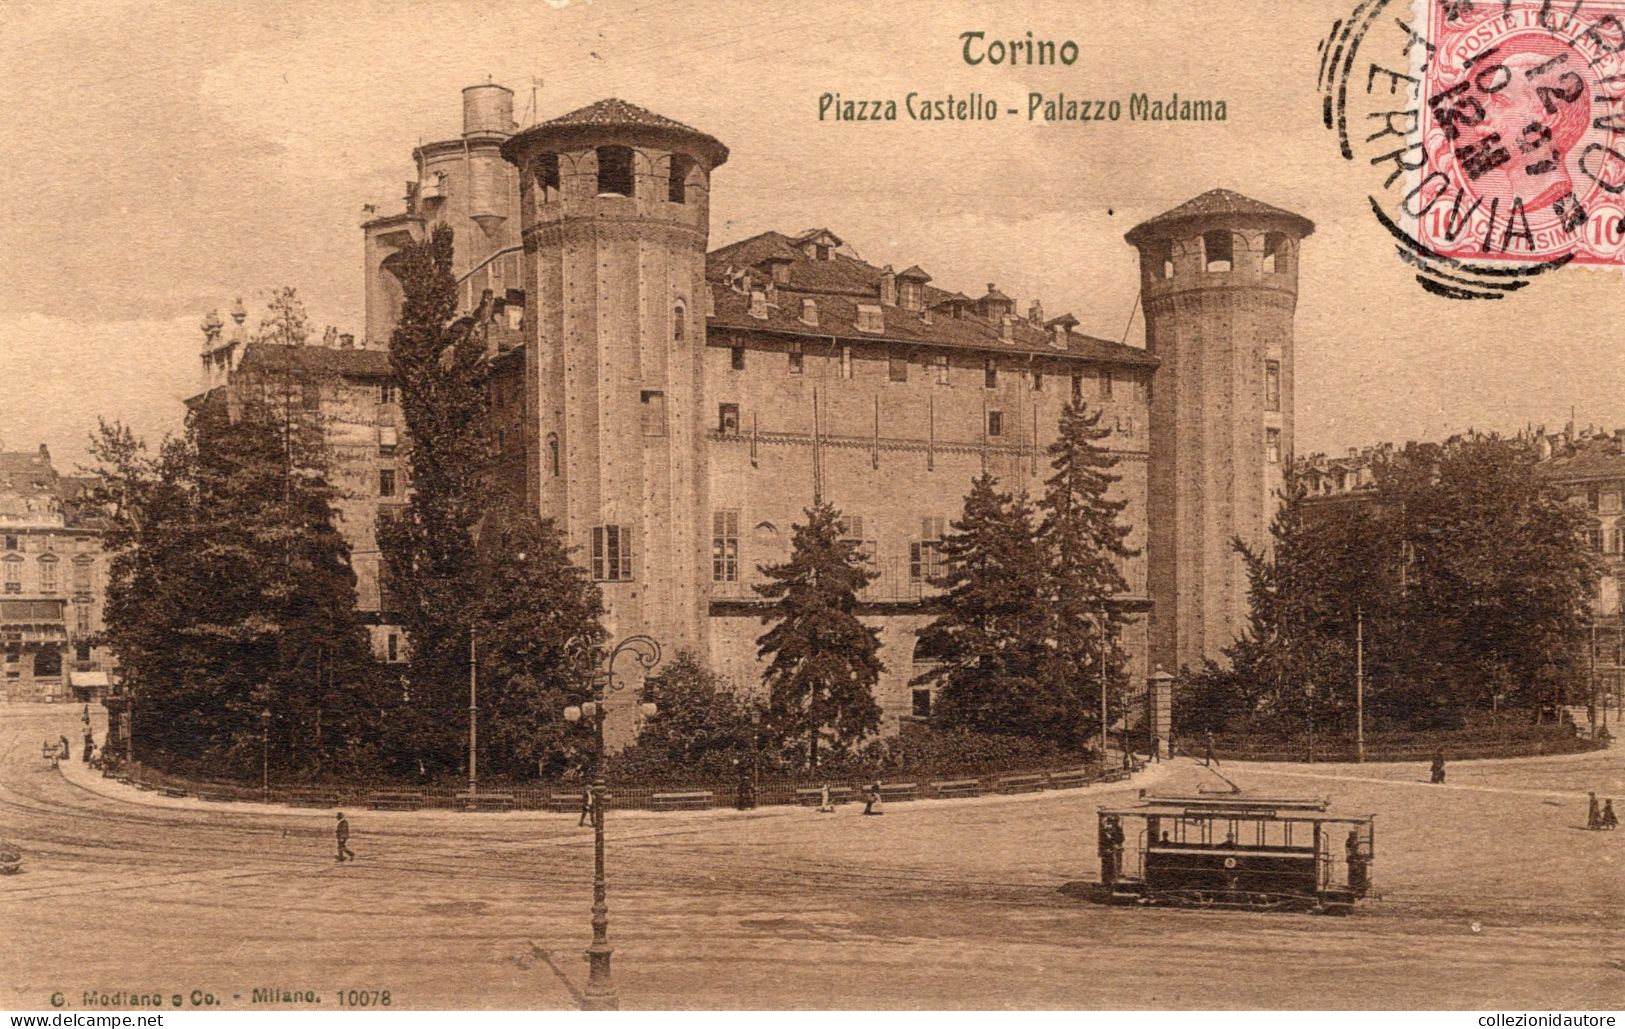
(164, 158)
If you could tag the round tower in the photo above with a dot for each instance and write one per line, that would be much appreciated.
(1219, 287)
(614, 211)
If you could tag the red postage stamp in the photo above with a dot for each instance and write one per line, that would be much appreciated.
(1522, 107)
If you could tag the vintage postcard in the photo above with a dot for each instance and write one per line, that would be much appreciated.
(708, 505)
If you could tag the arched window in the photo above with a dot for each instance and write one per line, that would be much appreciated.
(547, 178)
(1218, 250)
(677, 180)
(677, 320)
(1275, 253)
(553, 454)
(615, 171)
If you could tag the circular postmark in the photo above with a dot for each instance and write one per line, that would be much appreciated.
(1493, 129)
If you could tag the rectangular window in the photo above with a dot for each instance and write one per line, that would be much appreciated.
(392, 648)
(1609, 503)
(925, 557)
(1594, 538)
(1105, 384)
(14, 576)
(388, 439)
(995, 423)
(1038, 381)
(897, 366)
(11, 543)
(654, 412)
(81, 619)
(47, 576)
(941, 362)
(851, 529)
(1594, 498)
(81, 577)
(922, 704)
(846, 362)
(728, 419)
(796, 359)
(1142, 388)
(81, 651)
(386, 482)
(612, 553)
(1077, 386)
(1272, 445)
(386, 392)
(736, 358)
(725, 546)
(1272, 385)
(990, 374)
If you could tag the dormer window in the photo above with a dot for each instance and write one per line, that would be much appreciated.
(677, 180)
(870, 318)
(820, 252)
(615, 171)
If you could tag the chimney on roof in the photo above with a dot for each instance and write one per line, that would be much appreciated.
(1544, 448)
(330, 337)
(346, 341)
(1035, 313)
(809, 311)
(888, 287)
(44, 453)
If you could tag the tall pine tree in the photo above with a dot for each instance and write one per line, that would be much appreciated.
(825, 661)
(988, 644)
(1083, 540)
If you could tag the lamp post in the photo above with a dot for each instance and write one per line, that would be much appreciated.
(265, 754)
(473, 714)
(600, 992)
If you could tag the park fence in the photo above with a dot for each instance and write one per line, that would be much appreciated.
(567, 797)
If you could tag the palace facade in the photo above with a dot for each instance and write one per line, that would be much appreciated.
(676, 408)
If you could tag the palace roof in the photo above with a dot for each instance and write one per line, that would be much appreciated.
(1216, 204)
(587, 124)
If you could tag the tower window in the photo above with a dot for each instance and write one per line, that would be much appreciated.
(654, 412)
(796, 359)
(728, 419)
(615, 171)
(392, 648)
(1275, 255)
(1218, 250)
(941, 361)
(1272, 385)
(725, 546)
(553, 454)
(995, 423)
(990, 374)
(925, 556)
(1038, 381)
(1272, 445)
(612, 553)
(736, 358)
(677, 181)
(547, 177)
(677, 320)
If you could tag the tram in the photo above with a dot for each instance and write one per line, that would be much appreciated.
(1235, 851)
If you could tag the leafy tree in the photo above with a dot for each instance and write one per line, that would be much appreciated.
(538, 643)
(1082, 537)
(700, 724)
(429, 553)
(825, 661)
(989, 641)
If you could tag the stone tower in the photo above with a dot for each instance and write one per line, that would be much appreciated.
(1219, 286)
(614, 209)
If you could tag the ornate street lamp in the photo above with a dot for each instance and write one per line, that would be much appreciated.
(600, 992)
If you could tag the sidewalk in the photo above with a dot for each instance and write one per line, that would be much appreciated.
(92, 781)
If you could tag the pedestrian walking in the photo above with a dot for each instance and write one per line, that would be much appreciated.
(1210, 760)
(1156, 747)
(871, 802)
(90, 744)
(342, 832)
(1593, 812)
(586, 807)
(65, 753)
(1438, 766)
(825, 805)
(1609, 821)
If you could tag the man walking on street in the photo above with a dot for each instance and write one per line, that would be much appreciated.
(1210, 760)
(586, 807)
(90, 744)
(342, 831)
